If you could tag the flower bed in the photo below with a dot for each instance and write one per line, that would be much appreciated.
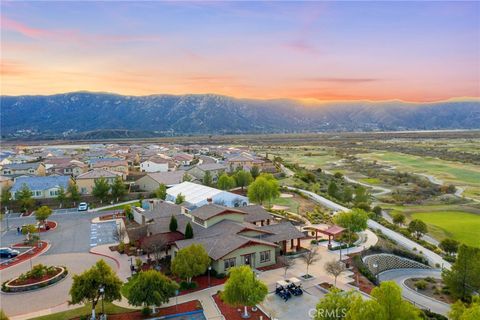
(49, 225)
(118, 215)
(33, 251)
(39, 277)
(232, 313)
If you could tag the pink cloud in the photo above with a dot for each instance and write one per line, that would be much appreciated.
(301, 46)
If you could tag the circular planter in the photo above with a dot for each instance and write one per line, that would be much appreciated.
(11, 288)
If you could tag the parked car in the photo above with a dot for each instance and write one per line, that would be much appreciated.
(83, 206)
(8, 253)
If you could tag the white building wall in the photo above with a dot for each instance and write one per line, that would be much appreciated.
(149, 166)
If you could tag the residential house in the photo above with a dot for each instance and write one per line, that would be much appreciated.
(65, 166)
(86, 181)
(151, 181)
(18, 169)
(197, 195)
(41, 187)
(155, 164)
(116, 165)
(225, 233)
(215, 169)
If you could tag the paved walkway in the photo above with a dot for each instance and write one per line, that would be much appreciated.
(422, 301)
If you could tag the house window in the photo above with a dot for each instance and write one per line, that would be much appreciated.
(264, 256)
(53, 193)
(228, 263)
(83, 190)
(38, 193)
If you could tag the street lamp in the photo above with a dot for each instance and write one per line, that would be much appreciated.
(375, 265)
(131, 265)
(102, 293)
(209, 269)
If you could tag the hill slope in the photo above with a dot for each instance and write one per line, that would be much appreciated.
(73, 113)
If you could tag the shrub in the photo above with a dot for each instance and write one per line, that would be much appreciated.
(220, 275)
(121, 247)
(421, 284)
(184, 285)
(146, 311)
(430, 279)
(446, 290)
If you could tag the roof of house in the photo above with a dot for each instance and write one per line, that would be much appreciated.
(109, 163)
(41, 183)
(212, 166)
(255, 213)
(22, 166)
(157, 159)
(98, 173)
(282, 231)
(167, 178)
(218, 246)
(211, 210)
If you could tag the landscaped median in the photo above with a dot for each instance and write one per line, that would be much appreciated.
(32, 251)
(39, 277)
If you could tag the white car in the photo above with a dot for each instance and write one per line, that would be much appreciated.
(83, 206)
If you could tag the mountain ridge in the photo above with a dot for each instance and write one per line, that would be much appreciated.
(70, 114)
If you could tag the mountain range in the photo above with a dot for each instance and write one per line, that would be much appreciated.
(101, 115)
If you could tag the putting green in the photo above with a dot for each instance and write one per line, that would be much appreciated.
(458, 225)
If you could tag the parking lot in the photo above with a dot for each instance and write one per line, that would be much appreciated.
(300, 307)
(102, 233)
(22, 250)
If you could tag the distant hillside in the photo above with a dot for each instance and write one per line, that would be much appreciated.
(103, 115)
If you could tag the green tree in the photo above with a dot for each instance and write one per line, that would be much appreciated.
(73, 193)
(6, 197)
(173, 226)
(86, 286)
(243, 178)
(186, 177)
(332, 189)
(151, 288)
(450, 246)
(42, 214)
(180, 199)
(387, 304)
(101, 189)
(338, 175)
(418, 228)
(61, 196)
(243, 289)
(207, 179)
(354, 220)
(190, 261)
(336, 304)
(161, 192)
(361, 195)
(225, 182)
(377, 210)
(461, 311)
(118, 189)
(347, 194)
(128, 212)
(463, 278)
(264, 188)
(398, 218)
(255, 172)
(24, 197)
(3, 316)
(188, 231)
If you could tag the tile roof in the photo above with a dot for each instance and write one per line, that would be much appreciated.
(22, 166)
(41, 183)
(98, 173)
(282, 231)
(255, 213)
(167, 178)
(211, 210)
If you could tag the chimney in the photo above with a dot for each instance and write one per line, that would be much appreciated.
(209, 200)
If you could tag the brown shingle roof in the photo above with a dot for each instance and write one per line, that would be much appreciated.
(211, 210)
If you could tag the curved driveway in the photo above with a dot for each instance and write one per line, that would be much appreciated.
(400, 275)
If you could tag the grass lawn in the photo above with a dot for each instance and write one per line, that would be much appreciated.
(372, 181)
(460, 174)
(123, 206)
(291, 203)
(458, 225)
(110, 308)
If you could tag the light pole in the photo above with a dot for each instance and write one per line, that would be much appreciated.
(375, 265)
(102, 293)
(209, 269)
(131, 266)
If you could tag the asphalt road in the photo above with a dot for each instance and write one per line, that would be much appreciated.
(72, 235)
(400, 275)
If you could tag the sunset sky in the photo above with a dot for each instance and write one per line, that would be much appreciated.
(413, 51)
